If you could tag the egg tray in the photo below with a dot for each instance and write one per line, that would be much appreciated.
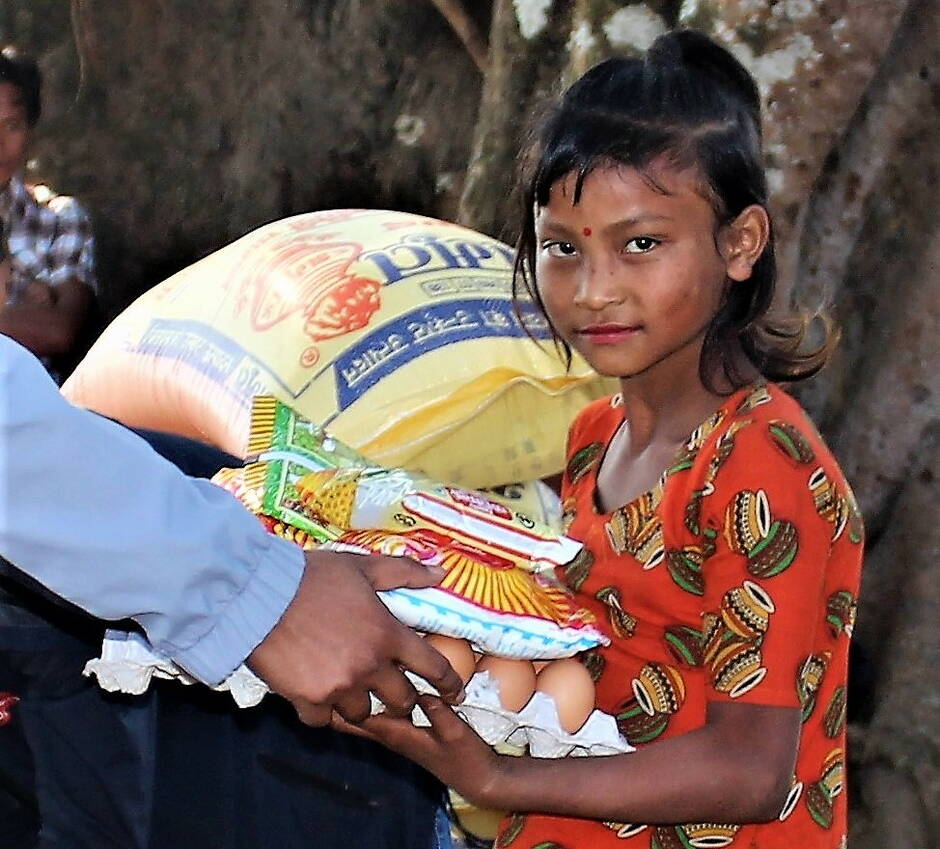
(128, 664)
(535, 728)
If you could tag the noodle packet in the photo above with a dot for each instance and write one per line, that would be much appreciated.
(499, 591)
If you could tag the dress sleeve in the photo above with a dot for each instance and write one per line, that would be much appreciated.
(769, 517)
(90, 511)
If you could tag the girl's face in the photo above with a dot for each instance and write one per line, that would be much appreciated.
(14, 132)
(630, 276)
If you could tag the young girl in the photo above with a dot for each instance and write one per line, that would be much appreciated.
(722, 544)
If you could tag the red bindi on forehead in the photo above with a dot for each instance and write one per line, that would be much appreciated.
(586, 231)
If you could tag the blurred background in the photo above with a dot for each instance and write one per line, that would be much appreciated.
(183, 125)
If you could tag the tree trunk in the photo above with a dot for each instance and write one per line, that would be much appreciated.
(526, 58)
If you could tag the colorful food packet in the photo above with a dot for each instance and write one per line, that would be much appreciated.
(499, 591)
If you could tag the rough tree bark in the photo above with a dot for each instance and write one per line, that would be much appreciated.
(184, 125)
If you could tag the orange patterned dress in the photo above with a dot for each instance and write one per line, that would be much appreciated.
(734, 579)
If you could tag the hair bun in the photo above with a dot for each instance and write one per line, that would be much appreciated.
(695, 50)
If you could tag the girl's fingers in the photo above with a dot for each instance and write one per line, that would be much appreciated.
(448, 726)
(418, 744)
(337, 723)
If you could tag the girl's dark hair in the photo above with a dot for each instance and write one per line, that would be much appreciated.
(688, 100)
(22, 72)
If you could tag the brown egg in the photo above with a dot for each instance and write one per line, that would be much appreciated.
(516, 679)
(457, 652)
(570, 686)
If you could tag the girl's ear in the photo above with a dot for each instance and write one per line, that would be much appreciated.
(743, 240)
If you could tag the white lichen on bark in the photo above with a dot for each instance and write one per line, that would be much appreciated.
(794, 9)
(634, 26)
(582, 40)
(777, 65)
(409, 129)
(532, 16)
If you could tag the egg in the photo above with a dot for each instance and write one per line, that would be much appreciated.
(458, 653)
(515, 678)
(568, 683)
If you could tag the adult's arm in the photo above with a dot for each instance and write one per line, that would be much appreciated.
(52, 326)
(89, 510)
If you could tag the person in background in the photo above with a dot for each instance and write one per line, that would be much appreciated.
(49, 286)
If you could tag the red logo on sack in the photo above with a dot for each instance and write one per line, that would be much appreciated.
(312, 278)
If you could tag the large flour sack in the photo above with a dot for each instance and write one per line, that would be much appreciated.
(395, 331)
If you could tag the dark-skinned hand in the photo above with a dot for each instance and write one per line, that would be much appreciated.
(336, 641)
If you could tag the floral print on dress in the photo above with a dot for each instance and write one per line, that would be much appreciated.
(791, 442)
(809, 679)
(636, 529)
(769, 544)
(583, 461)
(841, 609)
(621, 622)
(734, 638)
(821, 794)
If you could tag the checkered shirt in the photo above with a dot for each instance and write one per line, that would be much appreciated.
(48, 237)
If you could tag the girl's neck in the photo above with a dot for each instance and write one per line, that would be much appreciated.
(664, 419)
(663, 411)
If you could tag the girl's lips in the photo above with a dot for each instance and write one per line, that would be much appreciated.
(607, 334)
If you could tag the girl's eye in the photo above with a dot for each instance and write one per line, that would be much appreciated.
(559, 248)
(641, 245)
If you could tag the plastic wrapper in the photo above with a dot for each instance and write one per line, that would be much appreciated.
(499, 590)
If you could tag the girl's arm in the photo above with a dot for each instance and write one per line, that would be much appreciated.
(738, 768)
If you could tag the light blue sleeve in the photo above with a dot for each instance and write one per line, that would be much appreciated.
(90, 511)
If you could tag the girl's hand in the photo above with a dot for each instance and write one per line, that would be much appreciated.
(449, 749)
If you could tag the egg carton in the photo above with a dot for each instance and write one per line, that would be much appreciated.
(535, 728)
(128, 664)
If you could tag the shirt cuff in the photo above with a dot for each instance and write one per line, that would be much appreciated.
(249, 617)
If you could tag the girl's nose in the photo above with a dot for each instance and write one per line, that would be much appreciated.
(598, 288)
